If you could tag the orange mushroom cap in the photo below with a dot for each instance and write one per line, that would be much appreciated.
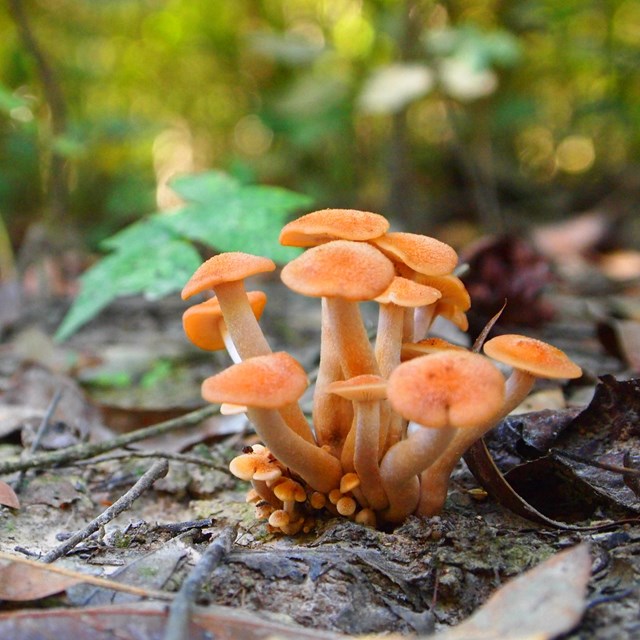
(332, 224)
(421, 253)
(451, 287)
(201, 322)
(268, 382)
(428, 346)
(407, 293)
(453, 388)
(340, 268)
(361, 388)
(533, 356)
(225, 267)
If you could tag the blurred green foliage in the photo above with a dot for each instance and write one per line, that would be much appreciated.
(422, 110)
(155, 256)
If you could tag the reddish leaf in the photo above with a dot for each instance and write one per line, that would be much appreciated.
(20, 582)
(8, 497)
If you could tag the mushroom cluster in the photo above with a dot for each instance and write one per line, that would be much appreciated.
(391, 418)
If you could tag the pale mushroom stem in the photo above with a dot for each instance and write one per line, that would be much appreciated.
(317, 467)
(389, 337)
(332, 415)
(423, 318)
(228, 343)
(266, 493)
(242, 325)
(351, 339)
(403, 463)
(249, 341)
(365, 455)
(434, 481)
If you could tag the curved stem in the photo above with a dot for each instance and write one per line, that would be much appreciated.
(434, 481)
(332, 415)
(249, 341)
(403, 462)
(317, 467)
(365, 454)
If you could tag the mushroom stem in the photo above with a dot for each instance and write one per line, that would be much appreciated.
(263, 490)
(249, 341)
(332, 415)
(317, 467)
(242, 325)
(365, 454)
(350, 337)
(403, 462)
(389, 337)
(423, 318)
(228, 343)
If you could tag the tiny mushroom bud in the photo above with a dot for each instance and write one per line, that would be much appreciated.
(264, 384)
(440, 394)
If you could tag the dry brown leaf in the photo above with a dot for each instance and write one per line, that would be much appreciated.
(21, 582)
(542, 603)
(8, 497)
(140, 621)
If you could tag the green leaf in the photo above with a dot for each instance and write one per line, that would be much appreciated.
(161, 269)
(230, 216)
(154, 256)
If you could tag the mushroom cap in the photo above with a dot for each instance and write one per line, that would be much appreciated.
(258, 464)
(456, 389)
(201, 322)
(340, 268)
(268, 382)
(332, 224)
(407, 293)
(421, 253)
(533, 356)
(427, 346)
(363, 388)
(451, 287)
(453, 314)
(225, 267)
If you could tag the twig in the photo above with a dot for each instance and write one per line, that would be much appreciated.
(42, 429)
(177, 457)
(84, 578)
(90, 450)
(180, 610)
(627, 471)
(156, 471)
(176, 528)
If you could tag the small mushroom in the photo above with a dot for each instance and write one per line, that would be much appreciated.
(264, 384)
(531, 359)
(440, 394)
(366, 392)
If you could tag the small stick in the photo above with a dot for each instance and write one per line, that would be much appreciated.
(627, 471)
(180, 609)
(90, 450)
(157, 470)
(42, 429)
(178, 457)
(84, 578)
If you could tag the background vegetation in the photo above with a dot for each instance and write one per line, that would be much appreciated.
(430, 112)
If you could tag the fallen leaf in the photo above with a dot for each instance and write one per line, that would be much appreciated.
(22, 582)
(147, 620)
(8, 497)
(542, 603)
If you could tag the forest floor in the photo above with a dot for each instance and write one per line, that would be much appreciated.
(132, 367)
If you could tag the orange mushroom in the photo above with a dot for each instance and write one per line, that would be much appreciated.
(366, 392)
(531, 359)
(264, 384)
(441, 394)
